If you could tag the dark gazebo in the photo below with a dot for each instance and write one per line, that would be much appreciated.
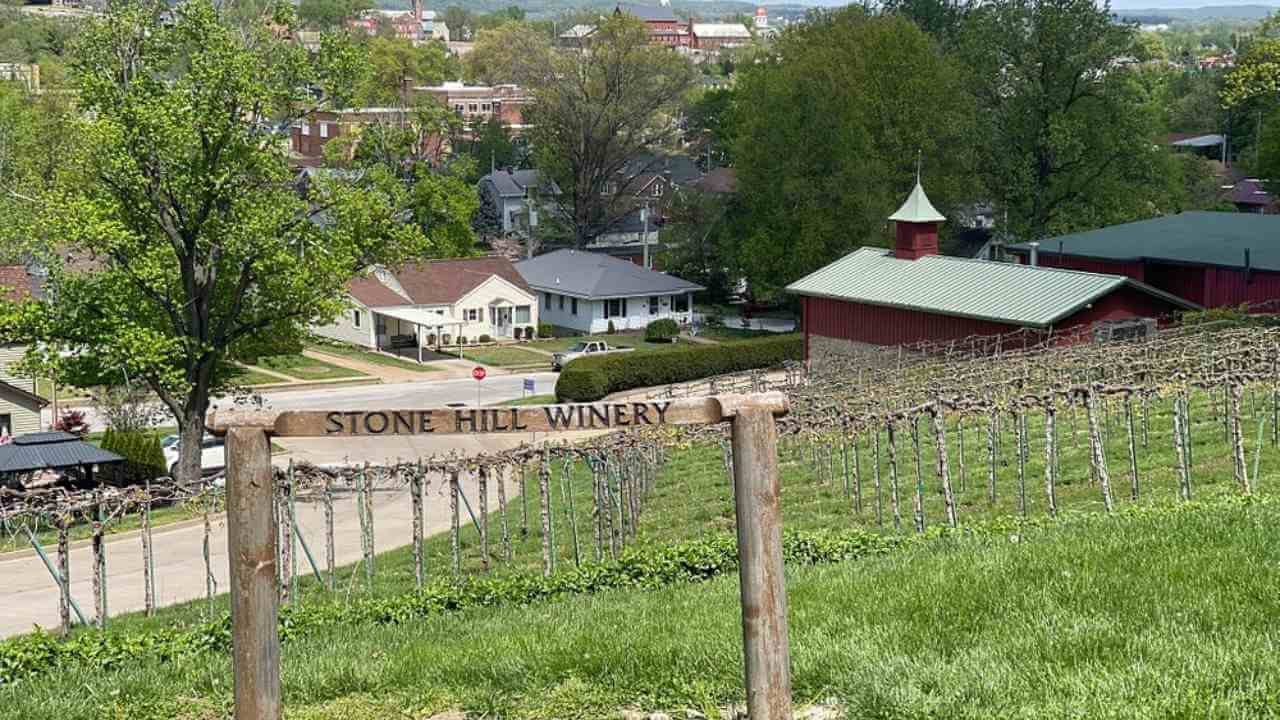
(52, 451)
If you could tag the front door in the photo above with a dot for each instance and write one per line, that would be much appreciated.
(504, 322)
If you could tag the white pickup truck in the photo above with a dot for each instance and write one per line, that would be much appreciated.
(583, 349)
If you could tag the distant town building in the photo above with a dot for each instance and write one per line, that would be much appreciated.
(415, 25)
(761, 18)
(713, 36)
(664, 26)
(476, 104)
(310, 135)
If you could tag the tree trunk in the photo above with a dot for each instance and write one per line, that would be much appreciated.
(191, 434)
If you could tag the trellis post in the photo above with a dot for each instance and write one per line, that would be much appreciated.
(252, 537)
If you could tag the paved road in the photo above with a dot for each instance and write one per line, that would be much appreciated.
(493, 389)
(29, 597)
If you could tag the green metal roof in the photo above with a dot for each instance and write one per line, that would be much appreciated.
(1200, 238)
(979, 289)
(917, 208)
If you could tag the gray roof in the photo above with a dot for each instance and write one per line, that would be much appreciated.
(980, 289)
(594, 276)
(46, 450)
(1199, 238)
(679, 168)
(648, 13)
(1200, 141)
(513, 183)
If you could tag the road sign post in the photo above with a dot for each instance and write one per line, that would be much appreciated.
(478, 373)
(252, 535)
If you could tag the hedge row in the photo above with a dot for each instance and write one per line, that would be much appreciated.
(590, 378)
(642, 568)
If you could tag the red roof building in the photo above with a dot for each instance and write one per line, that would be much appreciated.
(875, 297)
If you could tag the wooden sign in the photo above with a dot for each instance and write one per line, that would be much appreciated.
(619, 415)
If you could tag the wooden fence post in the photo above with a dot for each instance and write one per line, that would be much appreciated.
(251, 539)
(766, 646)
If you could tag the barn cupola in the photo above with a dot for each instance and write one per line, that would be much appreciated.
(916, 225)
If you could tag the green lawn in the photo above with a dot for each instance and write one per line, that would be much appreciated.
(303, 367)
(633, 341)
(504, 356)
(44, 388)
(250, 377)
(532, 400)
(355, 353)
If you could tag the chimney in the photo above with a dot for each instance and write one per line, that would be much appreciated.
(916, 226)
(1035, 253)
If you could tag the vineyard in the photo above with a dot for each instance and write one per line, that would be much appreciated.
(879, 452)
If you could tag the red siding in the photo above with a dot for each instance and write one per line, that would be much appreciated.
(1201, 284)
(878, 325)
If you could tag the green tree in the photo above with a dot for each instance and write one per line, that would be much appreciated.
(492, 147)
(596, 110)
(398, 65)
(204, 247)
(1067, 135)
(37, 134)
(514, 52)
(711, 119)
(1257, 75)
(1268, 165)
(943, 19)
(330, 14)
(829, 128)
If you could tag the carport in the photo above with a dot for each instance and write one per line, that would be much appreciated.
(422, 322)
(52, 451)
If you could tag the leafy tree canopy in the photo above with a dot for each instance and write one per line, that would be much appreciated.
(830, 125)
(202, 248)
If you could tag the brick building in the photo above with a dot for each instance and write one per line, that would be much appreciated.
(476, 104)
(309, 136)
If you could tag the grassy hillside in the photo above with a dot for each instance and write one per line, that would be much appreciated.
(1156, 613)
(1159, 610)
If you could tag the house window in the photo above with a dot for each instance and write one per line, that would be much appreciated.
(472, 315)
(484, 107)
(306, 128)
(680, 303)
(657, 189)
(615, 308)
(547, 304)
(6, 425)
(324, 130)
(458, 108)
(653, 304)
(471, 107)
(355, 318)
(522, 314)
(561, 302)
(574, 306)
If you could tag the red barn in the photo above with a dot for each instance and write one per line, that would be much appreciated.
(1211, 259)
(911, 294)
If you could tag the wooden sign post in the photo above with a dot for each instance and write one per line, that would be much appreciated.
(252, 534)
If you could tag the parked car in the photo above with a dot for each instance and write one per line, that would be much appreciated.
(583, 349)
(213, 454)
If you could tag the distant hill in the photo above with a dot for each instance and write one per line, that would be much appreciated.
(546, 9)
(1213, 12)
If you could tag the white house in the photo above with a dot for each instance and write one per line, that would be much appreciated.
(585, 292)
(434, 303)
(19, 404)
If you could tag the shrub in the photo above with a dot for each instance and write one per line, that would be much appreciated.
(485, 339)
(72, 421)
(664, 330)
(612, 329)
(143, 457)
(462, 339)
(620, 371)
(544, 330)
(431, 340)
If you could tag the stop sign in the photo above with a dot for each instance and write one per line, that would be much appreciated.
(478, 373)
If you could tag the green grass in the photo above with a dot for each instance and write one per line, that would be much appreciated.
(13, 539)
(634, 341)
(307, 368)
(504, 356)
(355, 353)
(532, 400)
(250, 377)
(1154, 615)
(1166, 614)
